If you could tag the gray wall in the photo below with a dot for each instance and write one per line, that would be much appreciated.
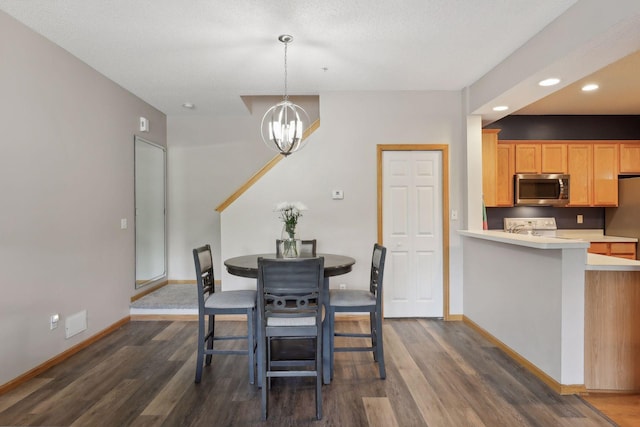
(66, 174)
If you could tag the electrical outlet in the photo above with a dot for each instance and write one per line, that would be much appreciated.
(343, 286)
(53, 321)
(580, 219)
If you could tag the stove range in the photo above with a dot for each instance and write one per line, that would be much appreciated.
(531, 226)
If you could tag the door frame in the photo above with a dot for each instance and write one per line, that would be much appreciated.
(444, 149)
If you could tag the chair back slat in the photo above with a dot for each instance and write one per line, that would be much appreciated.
(290, 287)
(377, 270)
(204, 273)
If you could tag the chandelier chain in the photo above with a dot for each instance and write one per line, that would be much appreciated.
(286, 96)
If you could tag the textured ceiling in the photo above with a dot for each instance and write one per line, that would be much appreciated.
(211, 53)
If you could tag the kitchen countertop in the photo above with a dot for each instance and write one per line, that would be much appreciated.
(593, 236)
(537, 242)
(594, 261)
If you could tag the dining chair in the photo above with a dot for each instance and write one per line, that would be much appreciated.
(307, 247)
(212, 303)
(360, 301)
(290, 298)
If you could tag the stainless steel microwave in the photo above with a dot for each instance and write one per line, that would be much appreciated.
(541, 189)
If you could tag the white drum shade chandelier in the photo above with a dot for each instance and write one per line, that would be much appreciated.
(283, 124)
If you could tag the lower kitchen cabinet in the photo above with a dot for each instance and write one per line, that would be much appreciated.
(620, 250)
(612, 336)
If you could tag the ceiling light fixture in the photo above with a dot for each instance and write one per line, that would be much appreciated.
(549, 82)
(500, 108)
(283, 124)
(589, 87)
(189, 105)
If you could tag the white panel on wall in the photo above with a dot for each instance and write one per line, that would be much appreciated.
(424, 168)
(425, 220)
(399, 168)
(398, 275)
(425, 265)
(399, 199)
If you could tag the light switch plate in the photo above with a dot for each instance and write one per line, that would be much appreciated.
(144, 124)
(337, 195)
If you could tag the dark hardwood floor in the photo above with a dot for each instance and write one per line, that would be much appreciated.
(438, 374)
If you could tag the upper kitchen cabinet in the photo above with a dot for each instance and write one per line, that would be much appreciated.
(506, 166)
(605, 174)
(554, 158)
(580, 169)
(528, 158)
(540, 158)
(498, 168)
(630, 158)
(489, 165)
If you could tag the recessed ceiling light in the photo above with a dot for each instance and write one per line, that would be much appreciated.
(500, 108)
(189, 105)
(549, 82)
(589, 87)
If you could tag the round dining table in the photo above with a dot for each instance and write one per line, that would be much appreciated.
(247, 265)
(334, 265)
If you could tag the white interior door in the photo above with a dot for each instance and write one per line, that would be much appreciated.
(412, 233)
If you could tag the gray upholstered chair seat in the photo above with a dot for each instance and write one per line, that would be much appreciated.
(351, 298)
(231, 299)
(291, 321)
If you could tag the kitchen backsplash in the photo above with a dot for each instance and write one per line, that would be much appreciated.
(566, 218)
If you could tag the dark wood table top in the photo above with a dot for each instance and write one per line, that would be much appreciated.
(247, 265)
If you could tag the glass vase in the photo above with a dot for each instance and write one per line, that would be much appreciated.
(289, 245)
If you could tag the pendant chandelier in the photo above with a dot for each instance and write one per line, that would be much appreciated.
(283, 124)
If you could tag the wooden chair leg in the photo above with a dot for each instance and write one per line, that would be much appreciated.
(265, 392)
(200, 356)
(319, 377)
(379, 346)
(251, 344)
(372, 331)
(332, 332)
(210, 335)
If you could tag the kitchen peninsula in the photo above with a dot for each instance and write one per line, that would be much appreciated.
(545, 300)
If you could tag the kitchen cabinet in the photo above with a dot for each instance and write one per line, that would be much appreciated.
(541, 158)
(553, 158)
(528, 158)
(617, 249)
(605, 174)
(504, 177)
(489, 165)
(593, 166)
(630, 158)
(580, 169)
(611, 335)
